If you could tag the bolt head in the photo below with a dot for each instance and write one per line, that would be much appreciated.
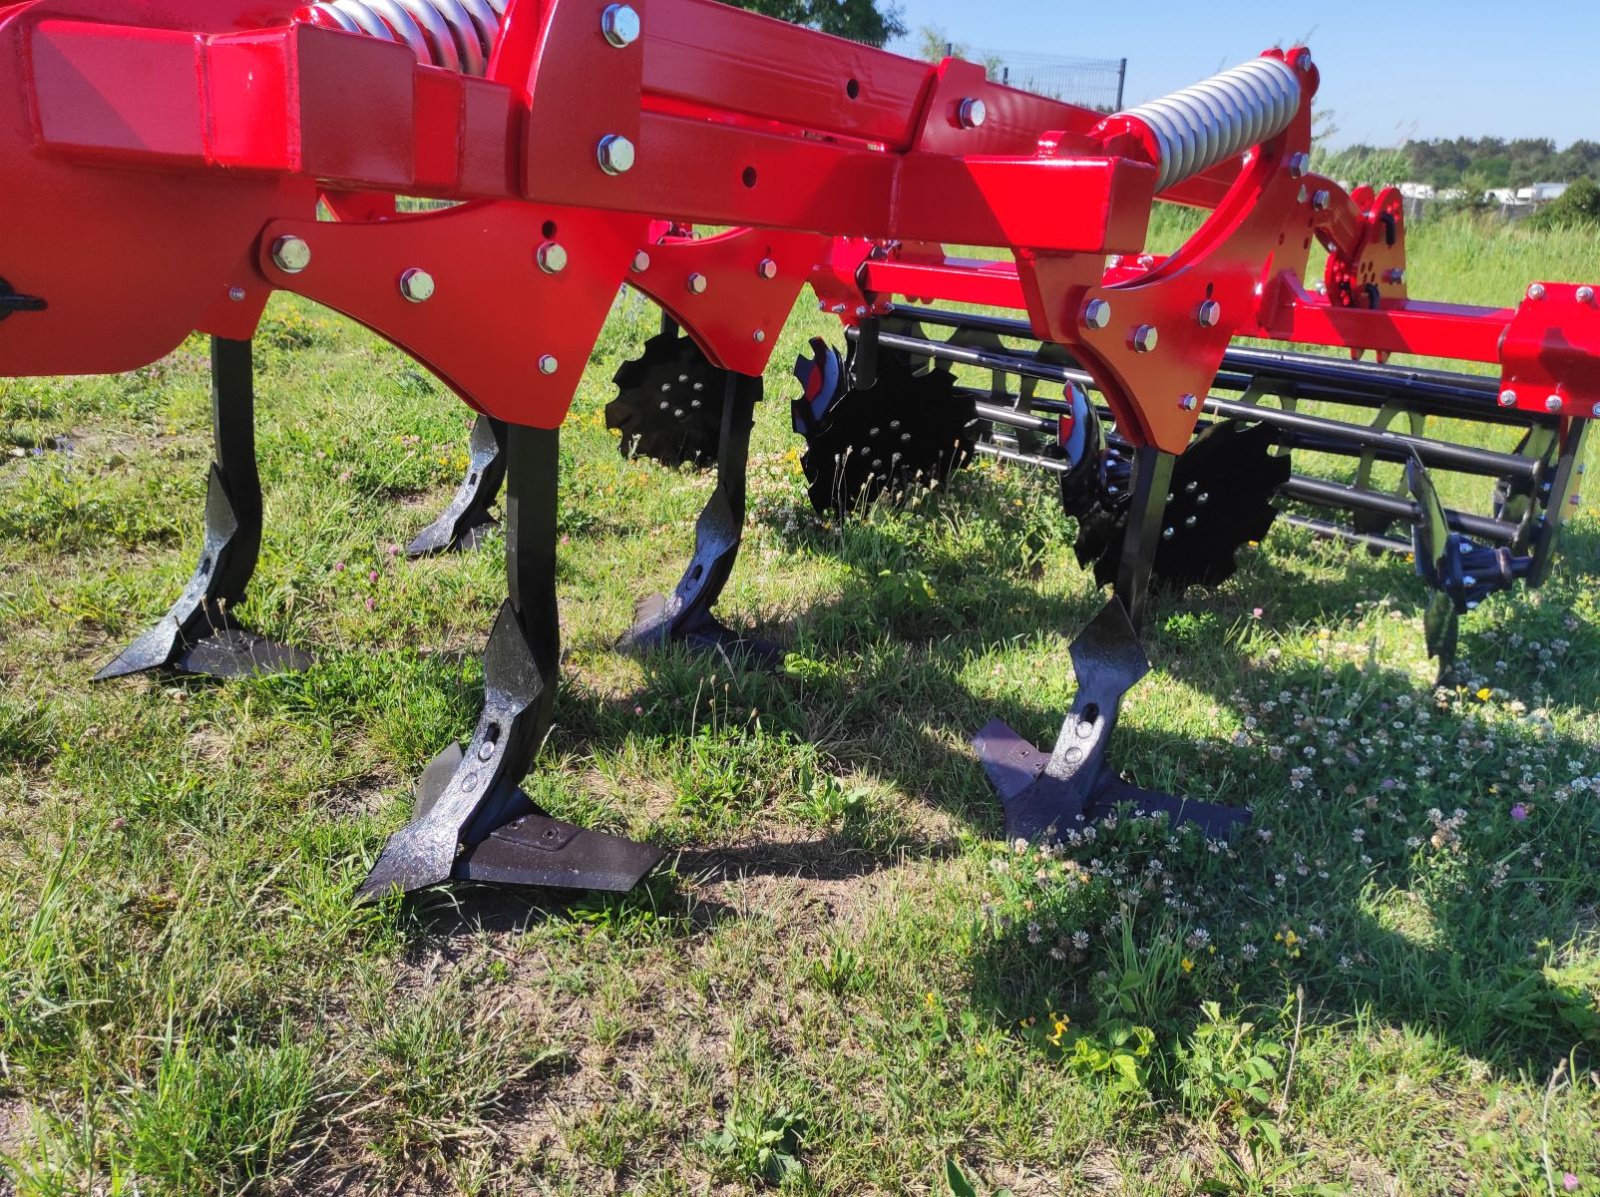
(291, 254)
(758, 336)
(1508, 398)
(972, 112)
(416, 285)
(1145, 338)
(767, 268)
(1187, 402)
(1298, 163)
(697, 283)
(1595, 412)
(1536, 291)
(1585, 294)
(552, 257)
(1096, 313)
(1210, 313)
(641, 262)
(1303, 60)
(1319, 200)
(1553, 403)
(615, 154)
(236, 294)
(548, 364)
(1397, 275)
(620, 25)
(1166, 534)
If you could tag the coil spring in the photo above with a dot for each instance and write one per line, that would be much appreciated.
(458, 35)
(1200, 126)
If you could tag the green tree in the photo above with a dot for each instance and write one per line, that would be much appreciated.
(859, 20)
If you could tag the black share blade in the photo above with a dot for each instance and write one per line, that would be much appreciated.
(669, 403)
(1221, 499)
(909, 429)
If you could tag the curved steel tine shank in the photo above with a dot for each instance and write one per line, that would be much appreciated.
(471, 820)
(461, 525)
(198, 634)
(686, 616)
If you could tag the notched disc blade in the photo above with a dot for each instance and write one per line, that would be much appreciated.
(908, 430)
(1222, 488)
(669, 403)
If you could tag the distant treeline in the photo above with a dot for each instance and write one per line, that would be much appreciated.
(1474, 164)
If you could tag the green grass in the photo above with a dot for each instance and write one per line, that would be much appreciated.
(842, 981)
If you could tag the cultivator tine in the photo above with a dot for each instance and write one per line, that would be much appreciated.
(198, 634)
(471, 822)
(686, 616)
(462, 524)
(1046, 795)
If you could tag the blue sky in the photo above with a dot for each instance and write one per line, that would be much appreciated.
(1390, 70)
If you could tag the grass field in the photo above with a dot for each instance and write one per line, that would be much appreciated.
(842, 982)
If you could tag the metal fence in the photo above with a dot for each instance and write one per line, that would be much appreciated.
(1088, 82)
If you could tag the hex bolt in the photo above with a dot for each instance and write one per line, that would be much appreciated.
(767, 268)
(641, 262)
(1202, 498)
(1553, 403)
(416, 285)
(485, 750)
(236, 294)
(1396, 275)
(1536, 291)
(1144, 338)
(620, 24)
(1189, 521)
(1303, 60)
(291, 254)
(615, 154)
(758, 336)
(1166, 534)
(1187, 402)
(971, 112)
(548, 364)
(1585, 295)
(552, 257)
(1320, 200)
(1298, 164)
(1468, 580)
(1508, 398)
(1595, 412)
(1190, 487)
(1096, 314)
(1210, 314)
(698, 283)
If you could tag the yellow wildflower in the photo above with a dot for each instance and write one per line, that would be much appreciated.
(1483, 694)
(1188, 965)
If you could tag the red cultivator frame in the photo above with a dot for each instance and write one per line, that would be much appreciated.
(165, 160)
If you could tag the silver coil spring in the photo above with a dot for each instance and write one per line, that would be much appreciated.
(1200, 126)
(458, 35)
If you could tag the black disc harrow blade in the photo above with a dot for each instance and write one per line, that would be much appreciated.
(669, 403)
(1221, 500)
(909, 430)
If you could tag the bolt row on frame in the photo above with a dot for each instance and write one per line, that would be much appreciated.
(167, 160)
